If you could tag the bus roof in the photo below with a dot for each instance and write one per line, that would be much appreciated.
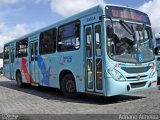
(95, 9)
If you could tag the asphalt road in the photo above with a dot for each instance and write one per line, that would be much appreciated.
(42, 100)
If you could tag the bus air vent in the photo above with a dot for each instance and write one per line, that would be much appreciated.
(135, 77)
(136, 70)
(137, 85)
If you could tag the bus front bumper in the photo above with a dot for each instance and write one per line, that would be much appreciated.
(114, 87)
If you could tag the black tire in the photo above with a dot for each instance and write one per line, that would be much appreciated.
(19, 80)
(68, 87)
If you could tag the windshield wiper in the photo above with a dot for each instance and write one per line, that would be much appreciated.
(127, 27)
(131, 31)
(143, 30)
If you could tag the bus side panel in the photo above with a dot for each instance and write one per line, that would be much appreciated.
(73, 61)
(47, 70)
(53, 65)
(21, 64)
(6, 69)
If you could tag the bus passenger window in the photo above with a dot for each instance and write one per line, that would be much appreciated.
(48, 41)
(98, 40)
(22, 48)
(12, 56)
(99, 74)
(77, 44)
(89, 42)
(90, 74)
(6, 52)
(69, 37)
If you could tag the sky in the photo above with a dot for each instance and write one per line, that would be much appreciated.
(19, 17)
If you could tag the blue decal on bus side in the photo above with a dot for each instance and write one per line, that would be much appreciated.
(65, 59)
(44, 71)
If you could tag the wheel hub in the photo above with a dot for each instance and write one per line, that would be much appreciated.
(70, 87)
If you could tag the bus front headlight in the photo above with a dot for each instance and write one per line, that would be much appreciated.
(153, 72)
(116, 75)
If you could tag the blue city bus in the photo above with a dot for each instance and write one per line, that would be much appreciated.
(157, 54)
(105, 50)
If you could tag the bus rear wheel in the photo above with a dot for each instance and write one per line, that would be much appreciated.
(19, 80)
(68, 87)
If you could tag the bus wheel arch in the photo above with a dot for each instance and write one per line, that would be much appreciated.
(68, 84)
(19, 79)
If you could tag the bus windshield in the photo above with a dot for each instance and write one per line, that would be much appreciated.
(130, 39)
(130, 44)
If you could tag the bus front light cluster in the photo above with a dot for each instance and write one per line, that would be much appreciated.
(153, 72)
(116, 75)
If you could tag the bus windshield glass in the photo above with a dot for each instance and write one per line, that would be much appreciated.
(130, 42)
(157, 41)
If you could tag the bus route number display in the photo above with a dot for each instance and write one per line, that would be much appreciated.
(127, 14)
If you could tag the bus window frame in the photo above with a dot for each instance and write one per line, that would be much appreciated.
(76, 37)
(54, 42)
(6, 56)
(19, 53)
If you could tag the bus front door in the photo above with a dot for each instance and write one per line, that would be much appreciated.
(34, 61)
(93, 37)
(12, 64)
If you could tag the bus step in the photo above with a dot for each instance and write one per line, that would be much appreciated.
(35, 84)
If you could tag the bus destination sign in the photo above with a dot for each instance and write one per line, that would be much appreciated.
(127, 14)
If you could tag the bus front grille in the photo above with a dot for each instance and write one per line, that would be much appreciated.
(136, 70)
(135, 77)
(137, 85)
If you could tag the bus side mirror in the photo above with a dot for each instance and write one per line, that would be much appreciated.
(110, 31)
(113, 49)
(158, 59)
(156, 51)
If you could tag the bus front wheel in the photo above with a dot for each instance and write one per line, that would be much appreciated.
(68, 87)
(19, 80)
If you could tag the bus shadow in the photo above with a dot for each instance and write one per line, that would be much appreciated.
(56, 95)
